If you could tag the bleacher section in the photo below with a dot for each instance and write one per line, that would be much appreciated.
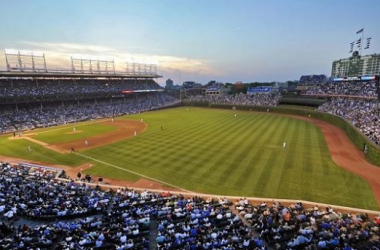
(356, 101)
(312, 79)
(239, 99)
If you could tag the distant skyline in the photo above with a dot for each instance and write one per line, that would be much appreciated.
(227, 41)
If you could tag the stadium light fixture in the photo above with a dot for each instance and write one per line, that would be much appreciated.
(24, 60)
(11, 51)
(23, 52)
(91, 64)
(136, 68)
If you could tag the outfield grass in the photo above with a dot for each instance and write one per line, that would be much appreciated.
(212, 151)
(65, 134)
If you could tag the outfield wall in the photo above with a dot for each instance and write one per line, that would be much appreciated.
(313, 102)
(355, 135)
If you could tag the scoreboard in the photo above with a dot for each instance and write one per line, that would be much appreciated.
(356, 66)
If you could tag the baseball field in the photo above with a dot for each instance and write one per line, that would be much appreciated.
(222, 152)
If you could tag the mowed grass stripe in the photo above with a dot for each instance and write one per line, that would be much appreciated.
(234, 162)
(246, 176)
(188, 158)
(298, 152)
(307, 169)
(323, 157)
(228, 145)
(267, 169)
(284, 136)
(192, 152)
(289, 162)
(262, 148)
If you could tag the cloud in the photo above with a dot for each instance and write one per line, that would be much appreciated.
(70, 47)
(58, 56)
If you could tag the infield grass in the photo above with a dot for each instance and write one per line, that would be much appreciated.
(212, 151)
(68, 135)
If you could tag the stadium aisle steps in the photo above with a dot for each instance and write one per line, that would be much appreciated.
(153, 233)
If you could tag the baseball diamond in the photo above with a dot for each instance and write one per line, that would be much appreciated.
(210, 151)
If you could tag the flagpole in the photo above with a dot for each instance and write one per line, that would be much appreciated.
(361, 42)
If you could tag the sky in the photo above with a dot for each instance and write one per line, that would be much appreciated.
(194, 40)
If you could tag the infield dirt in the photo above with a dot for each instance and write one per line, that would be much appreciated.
(125, 129)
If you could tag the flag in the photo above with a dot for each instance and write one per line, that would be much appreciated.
(360, 31)
(368, 43)
(352, 47)
(359, 43)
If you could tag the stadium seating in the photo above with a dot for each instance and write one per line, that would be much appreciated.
(297, 227)
(355, 101)
(358, 89)
(239, 99)
(21, 88)
(312, 79)
(120, 219)
(39, 211)
(35, 116)
(362, 113)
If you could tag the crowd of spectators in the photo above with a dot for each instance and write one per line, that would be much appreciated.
(239, 99)
(355, 101)
(40, 211)
(51, 87)
(312, 79)
(73, 215)
(199, 224)
(25, 118)
(364, 114)
(363, 89)
(297, 227)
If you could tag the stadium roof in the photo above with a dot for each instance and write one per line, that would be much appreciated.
(76, 75)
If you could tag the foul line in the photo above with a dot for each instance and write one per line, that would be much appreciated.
(132, 172)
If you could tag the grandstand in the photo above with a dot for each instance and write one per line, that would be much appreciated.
(312, 79)
(33, 97)
(257, 99)
(356, 99)
(79, 215)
